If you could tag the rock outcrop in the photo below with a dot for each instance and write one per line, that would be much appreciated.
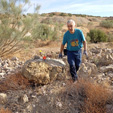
(43, 71)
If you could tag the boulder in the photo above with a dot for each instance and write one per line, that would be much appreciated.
(107, 68)
(43, 71)
(87, 69)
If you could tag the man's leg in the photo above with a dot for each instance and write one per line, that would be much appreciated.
(73, 72)
(71, 61)
(78, 59)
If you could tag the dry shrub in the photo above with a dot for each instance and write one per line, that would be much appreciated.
(14, 82)
(86, 97)
(96, 96)
(2, 110)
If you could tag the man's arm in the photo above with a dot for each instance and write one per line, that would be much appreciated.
(85, 45)
(61, 48)
(85, 48)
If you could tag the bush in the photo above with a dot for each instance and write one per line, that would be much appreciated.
(43, 14)
(46, 32)
(47, 21)
(69, 14)
(3, 110)
(107, 24)
(63, 14)
(41, 32)
(14, 82)
(88, 38)
(51, 14)
(97, 35)
(86, 96)
(110, 37)
(14, 26)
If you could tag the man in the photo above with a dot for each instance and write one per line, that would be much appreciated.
(75, 41)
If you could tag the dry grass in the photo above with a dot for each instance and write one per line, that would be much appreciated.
(110, 45)
(96, 97)
(87, 97)
(14, 82)
(2, 110)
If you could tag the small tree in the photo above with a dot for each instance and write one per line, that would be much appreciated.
(13, 25)
(44, 31)
(97, 35)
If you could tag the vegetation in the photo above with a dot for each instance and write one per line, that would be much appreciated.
(51, 14)
(3, 110)
(62, 14)
(110, 37)
(97, 35)
(107, 24)
(14, 26)
(69, 14)
(14, 82)
(43, 14)
(45, 32)
(87, 96)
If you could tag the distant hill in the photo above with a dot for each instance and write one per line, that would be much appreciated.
(66, 14)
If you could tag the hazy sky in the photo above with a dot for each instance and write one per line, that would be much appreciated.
(89, 7)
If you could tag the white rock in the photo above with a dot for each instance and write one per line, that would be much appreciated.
(25, 98)
(3, 98)
(59, 104)
(107, 68)
(2, 74)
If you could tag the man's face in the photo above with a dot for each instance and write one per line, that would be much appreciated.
(71, 27)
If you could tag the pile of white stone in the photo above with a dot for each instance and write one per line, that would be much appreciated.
(98, 66)
(9, 66)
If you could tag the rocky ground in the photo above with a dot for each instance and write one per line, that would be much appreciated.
(19, 95)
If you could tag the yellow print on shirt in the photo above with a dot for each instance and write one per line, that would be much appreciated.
(74, 43)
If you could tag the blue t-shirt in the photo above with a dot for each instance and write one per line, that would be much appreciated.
(74, 41)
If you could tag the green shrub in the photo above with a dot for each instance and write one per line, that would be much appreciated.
(80, 15)
(69, 14)
(110, 37)
(14, 26)
(107, 24)
(51, 14)
(88, 38)
(46, 32)
(47, 21)
(27, 39)
(43, 14)
(97, 35)
(63, 14)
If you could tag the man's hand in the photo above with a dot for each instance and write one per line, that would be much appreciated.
(60, 55)
(85, 53)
